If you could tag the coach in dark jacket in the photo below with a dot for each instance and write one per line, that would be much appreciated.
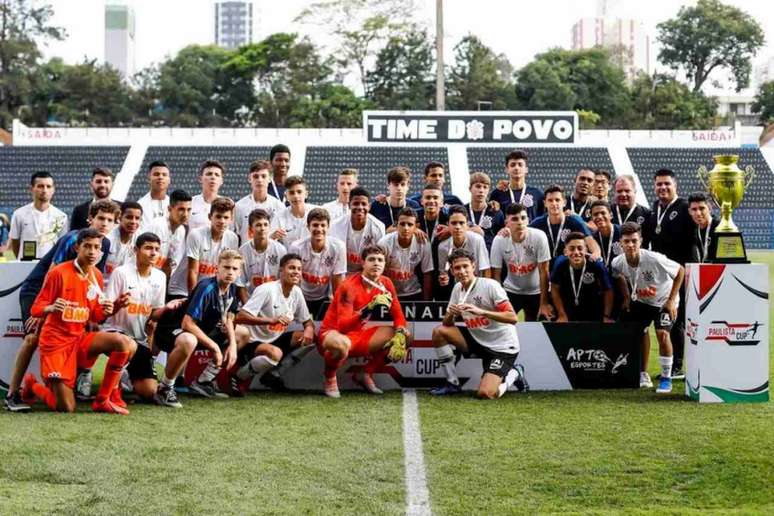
(101, 185)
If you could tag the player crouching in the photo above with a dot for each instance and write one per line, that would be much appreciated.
(489, 331)
(267, 314)
(346, 332)
(71, 297)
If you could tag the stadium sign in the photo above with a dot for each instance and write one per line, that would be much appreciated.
(556, 127)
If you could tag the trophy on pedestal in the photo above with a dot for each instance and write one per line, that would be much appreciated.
(726, 183)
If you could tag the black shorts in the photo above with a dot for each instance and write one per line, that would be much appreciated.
(530, 303)
(172, 297)
(142, 365)
(164, 338)
(315, 307)
(645, 314)
(248, 352)
(494, 362)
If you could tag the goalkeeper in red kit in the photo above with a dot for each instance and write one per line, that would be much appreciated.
(347, 329)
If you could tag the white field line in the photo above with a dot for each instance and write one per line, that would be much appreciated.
(417, 495)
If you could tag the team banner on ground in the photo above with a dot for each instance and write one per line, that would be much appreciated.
(555, 127)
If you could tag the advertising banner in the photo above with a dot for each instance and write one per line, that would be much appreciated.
(12, 275)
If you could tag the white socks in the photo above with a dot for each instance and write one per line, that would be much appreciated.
(446, 360)
(257, 366)
(666, 366)
(209, 373)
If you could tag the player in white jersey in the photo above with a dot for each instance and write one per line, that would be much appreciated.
(203, 247)
(488, 331)
(156, 201)
(344, 184)
(139, 289)
(461, 238)
(359, 230)
(261, 256)
(289, 224)
(35, 227)
(211, 175)
(267, 315)
(122, 238)
(171, 231)
(650, 286)
(324, 261)
(526, 255)
(408, 259)
(259, 177)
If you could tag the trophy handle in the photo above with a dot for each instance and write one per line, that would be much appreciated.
(702, 173)
(749, 175)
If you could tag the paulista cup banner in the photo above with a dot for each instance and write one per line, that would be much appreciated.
(12, 275)
(555, 356)
(727, 332)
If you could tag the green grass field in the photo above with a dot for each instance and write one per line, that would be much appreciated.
(591, 452)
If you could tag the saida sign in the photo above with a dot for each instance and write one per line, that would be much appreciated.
(554, 127)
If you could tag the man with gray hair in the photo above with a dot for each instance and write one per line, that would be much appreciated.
(625, 207)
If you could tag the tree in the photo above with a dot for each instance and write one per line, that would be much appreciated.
(335, 106)
(585, 80)
(710, 36)
(478, 74)
(402, 77)
(764, 102)
(22, 24)
(662, 102)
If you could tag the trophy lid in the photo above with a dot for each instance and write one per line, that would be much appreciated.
(725, 159)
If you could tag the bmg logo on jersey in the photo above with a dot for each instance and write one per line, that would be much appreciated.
(75, 314)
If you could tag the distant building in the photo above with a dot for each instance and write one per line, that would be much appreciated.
(119, 38)
(737, 106)
(764, 72)
(233, 23)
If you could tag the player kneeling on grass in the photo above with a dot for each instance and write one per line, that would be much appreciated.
(345, 331)
(489, 331)
(266, 315)
(70, 298)
(206, 319)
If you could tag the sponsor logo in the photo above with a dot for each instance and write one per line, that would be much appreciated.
(476, 322)
(521, 270)
(14, 328)
(257, 280)
(138, 309)
(208, 269)
(673, 215)
(315, 280)
(734, 334)
(75, 314)
(399, 275)
(595, 360)
(496, 364)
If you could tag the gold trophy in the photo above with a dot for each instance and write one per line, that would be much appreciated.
(726, 183)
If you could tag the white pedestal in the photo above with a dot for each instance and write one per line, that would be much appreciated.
(727, 332)
(12, 274)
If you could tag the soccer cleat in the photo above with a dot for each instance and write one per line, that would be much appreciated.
(207, 389)
(331, 387)
(449, 388)
(645, 381)
(167, 397)
(126, 382)
(520, 382)
(678, 374)
(235, 387)
(366, 381)
(664, 386)
(274, 382)
(116, 399)
(180, 386)
(26, 392)
(83, 386)
(14, 403)
(108, 407)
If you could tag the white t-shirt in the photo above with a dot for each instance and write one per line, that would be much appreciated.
(268, 300)
(336, 209)
(355, 241)
(42, 227)
(146, 294)
(246, 205)
(651, 281)
(172, 244)
(522, 259)
(120, 253)
(488, 295)
(296, 228)
(199, 246)
(318, 268)
(403, 261)
(200, 212)
(259, 268)
(153, 210)
(473, 243)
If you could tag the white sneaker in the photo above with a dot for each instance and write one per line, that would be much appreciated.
(645, 381)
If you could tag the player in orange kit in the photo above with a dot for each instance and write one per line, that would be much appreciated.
(71, 297)
(345, 331)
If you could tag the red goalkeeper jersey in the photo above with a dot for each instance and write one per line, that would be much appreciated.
(353, 295)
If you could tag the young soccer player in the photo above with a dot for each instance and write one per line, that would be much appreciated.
(267, 315)
(344, 184)
(102, 217)
(345, 331)
(359, 230)
(122, 237)
(324, 261)
(397, 187)
(581, 198)
(526, 255)
(580, 288)
(279, 156)
(35, 227)
(650, 284)
(259, 177)
(211, 175)
(461, 238)
(517, 190)
(289, 224)
(408, 259)
(489, 331)
(435, 172)
(72, 295)
(607, 235)
(156, 201)
(171, 232)
(482, 219)
(206, 319)
(261, 256)
(433, 221)
(203, 247)
(701, 214)
(601, 188)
